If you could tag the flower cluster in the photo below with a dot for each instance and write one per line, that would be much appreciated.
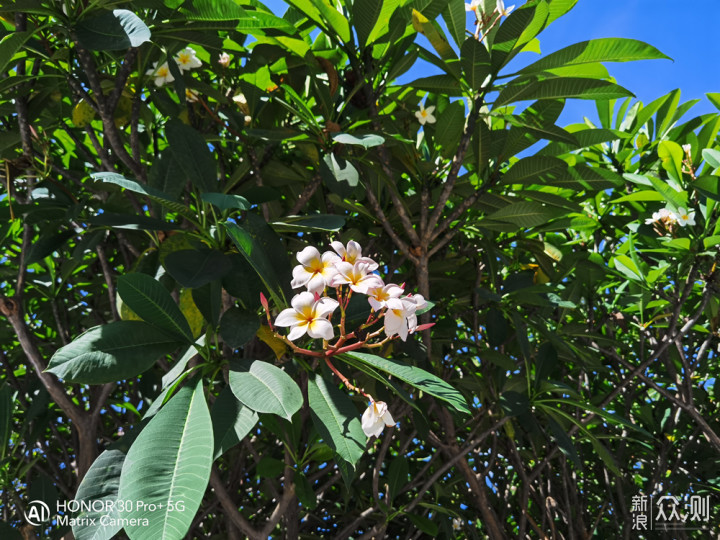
(342, 272)
(666, 218)
(185, 60)
(345, 266)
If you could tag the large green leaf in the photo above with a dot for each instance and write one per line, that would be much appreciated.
(336, 418)
(9, 45)
(259, 244)
(560, 88)
(111, 352)
(237, 327)
(526, 214)
(311, 223)
(112, 30)
(455, 17)
(149, 191)
(168, 465)
(226, 202)
(534, 170)
(708, 186)
(231, 421)
(99, 488)
(364, 16)
(419, 378)
(191, 151)
(153, 303)
(449, 127)
(596, 50)
(265, 388)
(6, 414)
(195, 268)
(475, 62)
(438, 83)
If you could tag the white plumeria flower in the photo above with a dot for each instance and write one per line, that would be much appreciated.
(186, 60)
(308, 314)
(501, 8)
(224, 59)
(356, 275)
(315, 271)
(473, 6)
(400, 316)
(457, 524)
(684, 217)
(191, 95)
(687, 148)
(375, 418)
(424, 115)
(378, 296)
(352, 253)
(664, 215)
(161, 73)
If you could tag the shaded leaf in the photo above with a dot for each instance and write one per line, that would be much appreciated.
(265, 388)
(111, 352)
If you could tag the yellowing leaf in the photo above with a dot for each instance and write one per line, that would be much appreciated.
(82, 114)
(432, 31)
(277, 345)
(126, 314)
(191, 312)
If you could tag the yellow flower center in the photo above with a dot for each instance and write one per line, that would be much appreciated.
(162, 72)
(423, 113)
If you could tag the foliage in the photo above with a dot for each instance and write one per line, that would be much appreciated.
(164, 161)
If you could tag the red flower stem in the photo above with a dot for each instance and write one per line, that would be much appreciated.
(344, 379)
(297, 349)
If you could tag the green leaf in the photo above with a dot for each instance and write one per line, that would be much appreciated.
(111, 352)
(560, 88)
(671, 157)
(435, 35)
(265, 388)
(311, 223)
(708, 186)
(231, 421)
(711, 156)
(526, 214)
(564, 442)
(344, 175)
(167, 465)
(226, 202)
(596, 50)
(336, 418)
(6, 415)
(455, 17)
(208, 300)
(166, 175)
(237, 327)
(150, 192)
(153, 303)
(131, 222)
(535, 169)
(195, 268)
(366, 141)
(438, 83)
(254, 248)
(9, 45)
(425, 524)
(449, 127)
(419, 378)
(191, 151)
(364, 16)
(99, 487)
(112, 31)
(475, 62)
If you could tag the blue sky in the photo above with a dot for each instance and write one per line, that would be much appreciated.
(688, 36)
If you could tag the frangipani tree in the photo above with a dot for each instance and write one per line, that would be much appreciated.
(166, 160)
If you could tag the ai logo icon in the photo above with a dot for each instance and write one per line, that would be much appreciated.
(37, 513)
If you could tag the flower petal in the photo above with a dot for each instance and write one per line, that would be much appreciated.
(320, 328)
(298, 331)
(303, 301)
(325, 306)
(308, 255)
(288, 317)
